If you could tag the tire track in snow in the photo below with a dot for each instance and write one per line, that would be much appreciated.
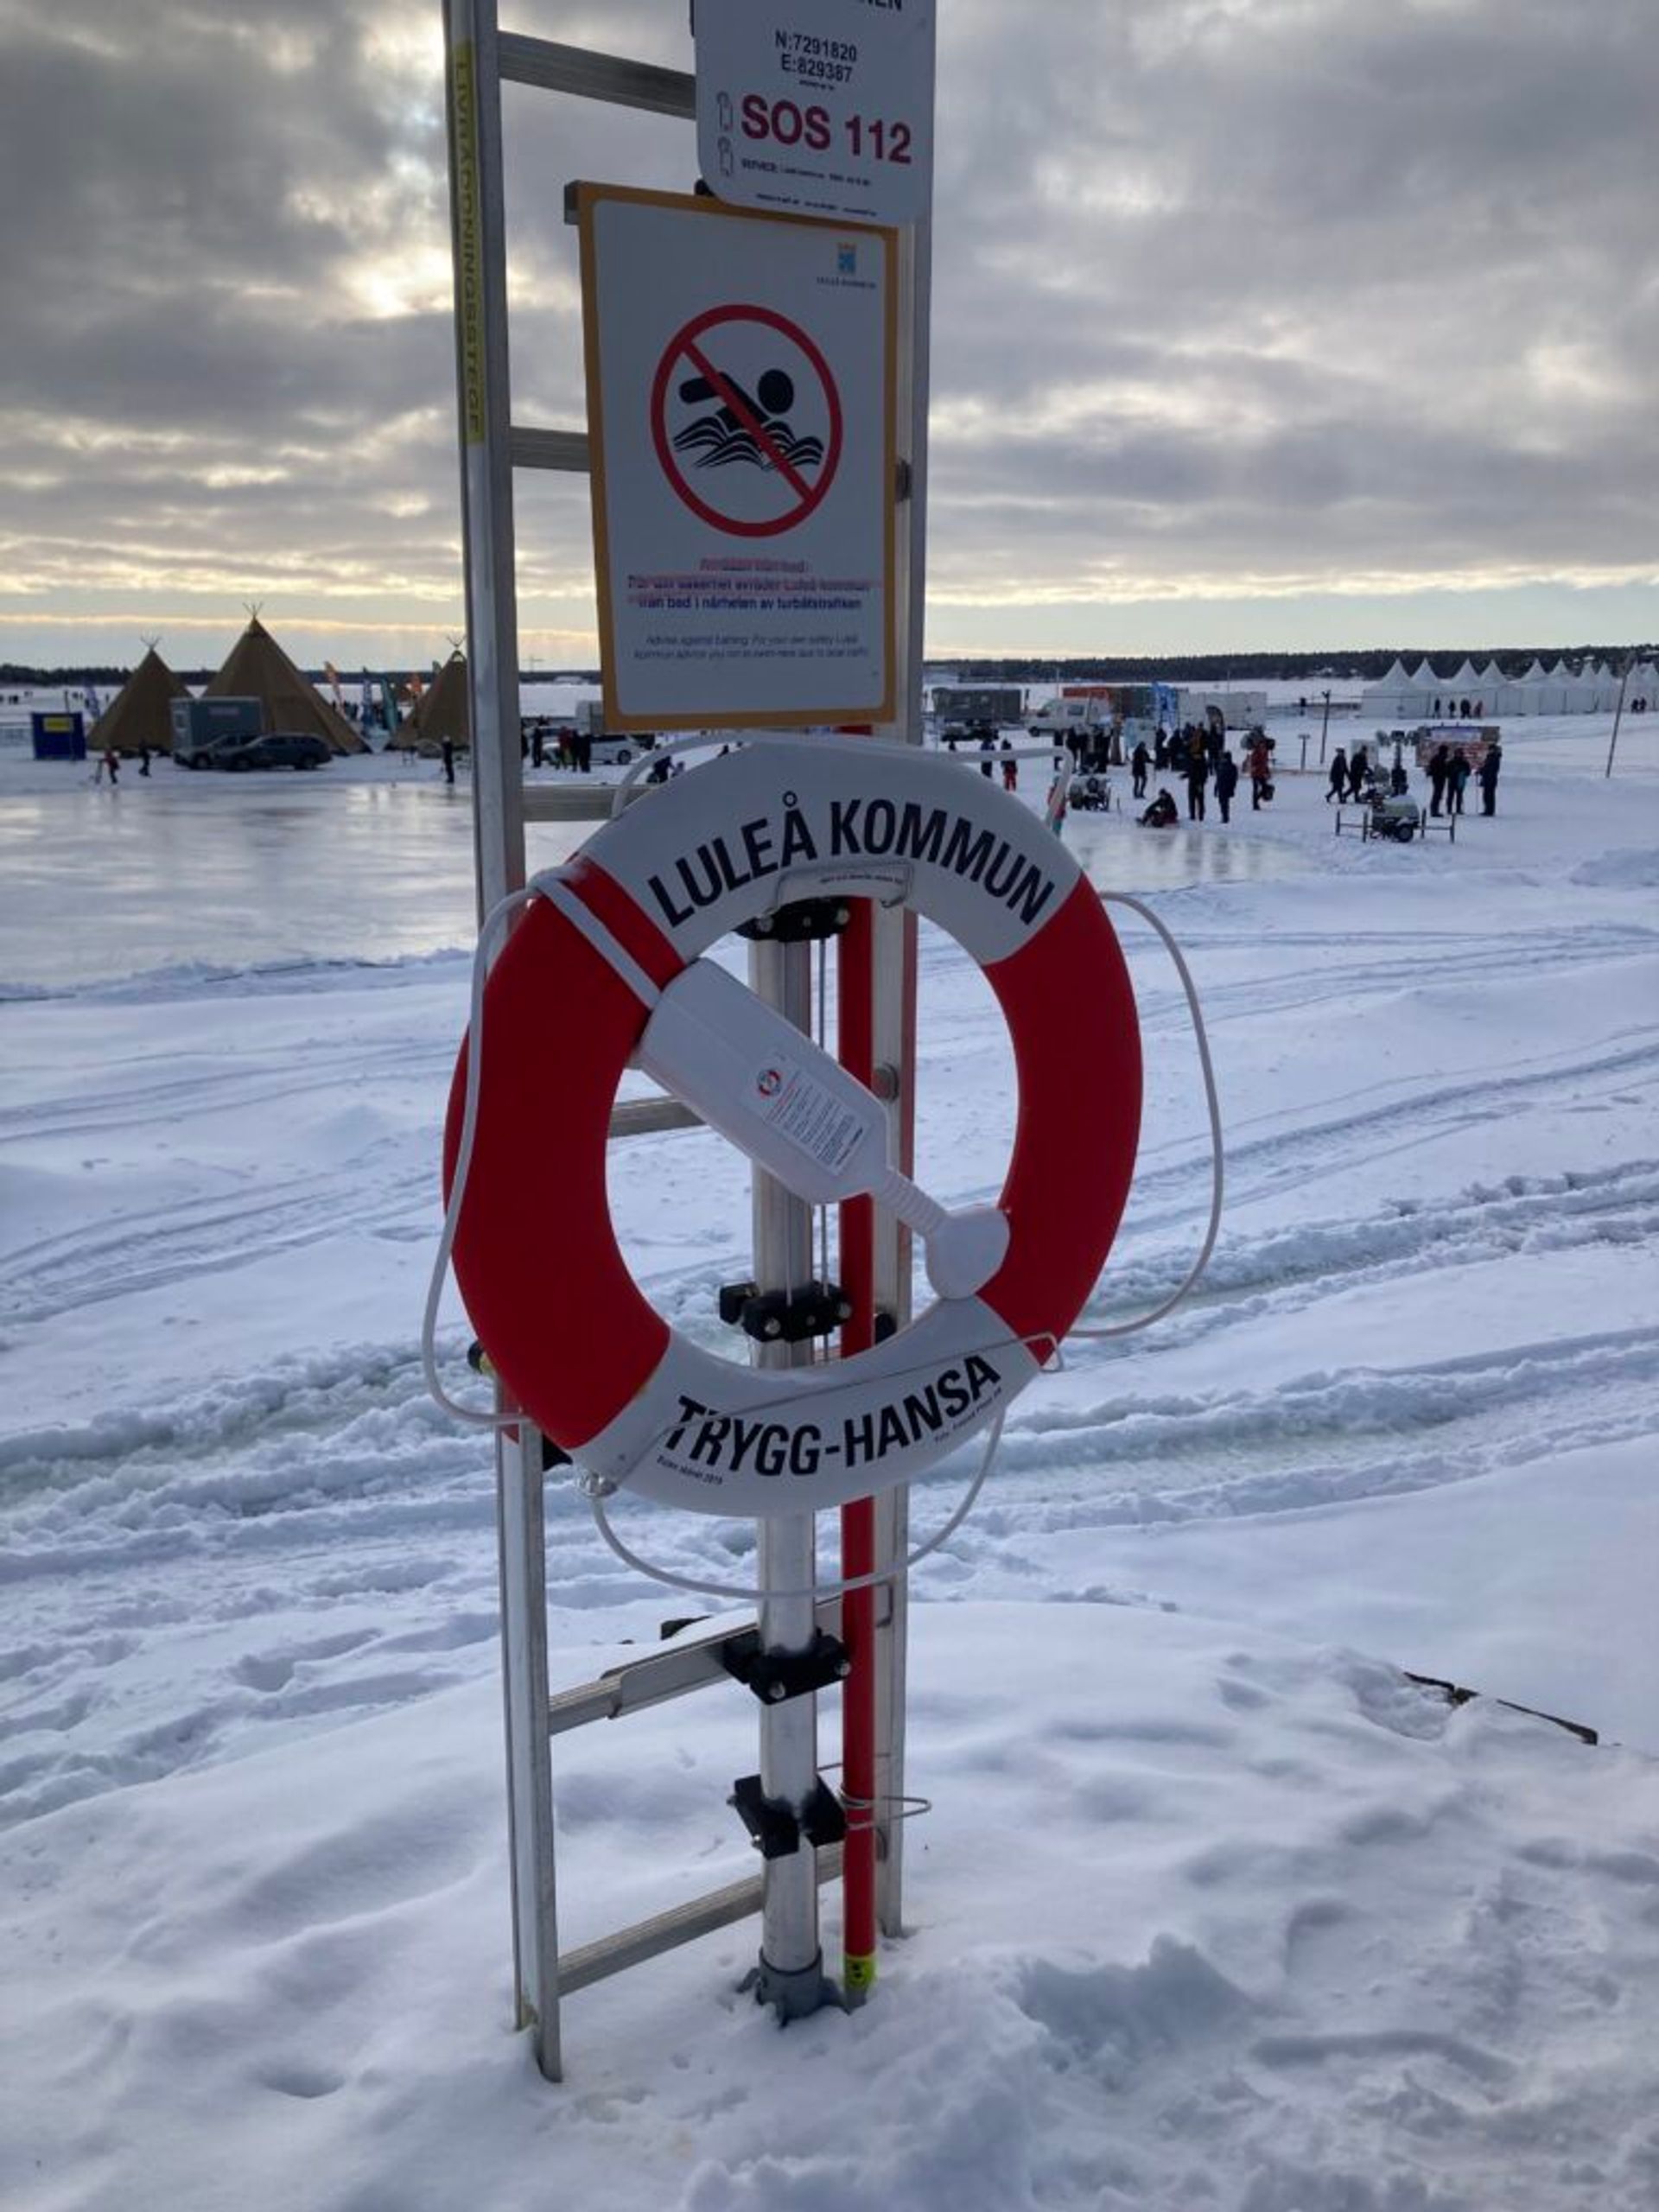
(151, 1250)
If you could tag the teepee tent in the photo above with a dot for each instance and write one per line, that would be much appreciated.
(257, 668)
(442, 710)
(141, 713)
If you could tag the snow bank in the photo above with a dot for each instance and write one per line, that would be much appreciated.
(1182, 1917)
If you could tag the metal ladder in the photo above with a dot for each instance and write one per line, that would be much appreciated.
(480, 58)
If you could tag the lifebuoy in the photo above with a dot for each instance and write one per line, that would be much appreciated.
(536, 1256)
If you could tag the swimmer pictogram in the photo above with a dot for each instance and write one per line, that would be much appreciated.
(744, 400)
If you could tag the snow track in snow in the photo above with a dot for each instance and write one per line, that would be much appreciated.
(265, 1539)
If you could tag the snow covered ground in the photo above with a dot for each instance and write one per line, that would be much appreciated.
(1212, 1909)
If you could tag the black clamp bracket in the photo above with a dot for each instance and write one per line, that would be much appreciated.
(785, 1317)
(802, 921)
(775, 1676)
(553, 1455)
(776, 1829)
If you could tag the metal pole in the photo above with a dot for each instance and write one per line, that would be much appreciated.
(1323, 727)
(860, 1701)
(1618, 712)
(894, 963)
(479, 237)
(789, 1975)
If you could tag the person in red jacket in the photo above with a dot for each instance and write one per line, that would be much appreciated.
(1259, 760)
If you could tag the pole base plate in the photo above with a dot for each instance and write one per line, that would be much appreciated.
(793, 1993)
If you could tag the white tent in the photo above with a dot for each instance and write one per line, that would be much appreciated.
(1394, 697)
(1465, 684)
(1579, 689)
(1428, 683)
(1549, 688)
(1607, 682)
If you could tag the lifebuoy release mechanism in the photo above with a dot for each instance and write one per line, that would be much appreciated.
(605, 970)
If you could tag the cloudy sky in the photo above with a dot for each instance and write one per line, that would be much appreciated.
(1256, 323)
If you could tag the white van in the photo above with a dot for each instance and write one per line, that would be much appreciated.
(1069, 717)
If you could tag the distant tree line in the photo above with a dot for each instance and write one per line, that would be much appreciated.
(1179, 668)
(1210, 668)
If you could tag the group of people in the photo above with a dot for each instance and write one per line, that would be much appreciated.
(993, 755)
(540, 739)
(107, 765)
(1206, 761)
(1449, 770)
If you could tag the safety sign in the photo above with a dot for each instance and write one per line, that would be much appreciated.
(818, 107)
(783, 439)
(740, 404)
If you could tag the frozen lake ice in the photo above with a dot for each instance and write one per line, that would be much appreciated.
(369, 859)
(1210, 1906)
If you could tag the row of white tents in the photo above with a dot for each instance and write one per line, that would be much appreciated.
(1585, 688)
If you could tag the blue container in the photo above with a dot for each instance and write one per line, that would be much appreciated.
(59, 736)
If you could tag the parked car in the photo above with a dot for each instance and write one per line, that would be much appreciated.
(612, 751)
(201, 726)
(279, 748)
(203, 752)
(611, 748)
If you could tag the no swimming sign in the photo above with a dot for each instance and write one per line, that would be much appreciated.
(740, 405)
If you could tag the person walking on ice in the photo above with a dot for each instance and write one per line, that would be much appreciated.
(1259, 760)
(1226, 782)
(1338, 777)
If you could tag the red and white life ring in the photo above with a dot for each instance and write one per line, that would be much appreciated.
(536, 1256)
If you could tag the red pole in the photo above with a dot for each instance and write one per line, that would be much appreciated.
(856, 1047)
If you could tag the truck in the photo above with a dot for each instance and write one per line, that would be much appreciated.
(1237, 710)
(201, 726)
(1117, 702)
(960, 707)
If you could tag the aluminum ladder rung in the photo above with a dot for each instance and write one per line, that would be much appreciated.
(553, 68)
(665, 1932)
(562, 802)
(652, 1117)
(639, 1683)
(558, 450)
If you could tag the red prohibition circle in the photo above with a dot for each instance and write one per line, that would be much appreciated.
(687, 337)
